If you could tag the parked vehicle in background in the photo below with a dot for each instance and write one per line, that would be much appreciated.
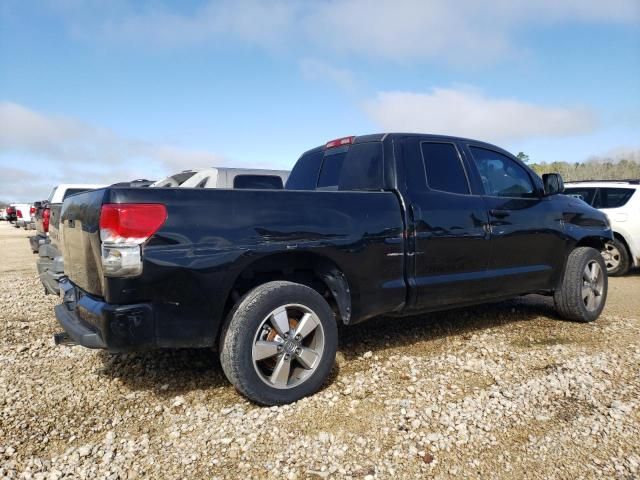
(50, 262)
(41, 222)
(174, 180)
(393, 224)
(10, 213)
(237, 178)
(24, 215)
(620, 200)
(3, 214)
(220, 177)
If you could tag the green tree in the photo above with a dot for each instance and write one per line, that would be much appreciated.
(523, 157)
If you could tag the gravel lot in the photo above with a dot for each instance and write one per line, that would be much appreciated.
(503, 390)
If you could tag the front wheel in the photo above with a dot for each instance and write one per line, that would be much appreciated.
(583, 292)
(279, 343)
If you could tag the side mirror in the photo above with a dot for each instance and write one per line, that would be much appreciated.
(553, 183)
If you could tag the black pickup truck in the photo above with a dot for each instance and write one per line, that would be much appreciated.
(392, 224)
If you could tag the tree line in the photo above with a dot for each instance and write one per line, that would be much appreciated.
(596, 168)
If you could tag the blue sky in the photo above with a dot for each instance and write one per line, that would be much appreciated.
(102, 90)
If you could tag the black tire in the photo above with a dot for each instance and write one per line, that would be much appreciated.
(616, 258)
(569, 299)
(245, 323)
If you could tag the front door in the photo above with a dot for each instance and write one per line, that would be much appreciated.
(527, 242)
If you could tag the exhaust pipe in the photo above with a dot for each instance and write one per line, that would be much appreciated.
(63, 338)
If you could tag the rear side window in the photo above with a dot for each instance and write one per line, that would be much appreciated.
(613, 197)
(585, 194)
(266, 182)
(501, 176)
(304, 175)
(444, 169)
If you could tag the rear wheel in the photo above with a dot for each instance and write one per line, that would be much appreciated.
(279, 343)
(616, 257)
(583, 292)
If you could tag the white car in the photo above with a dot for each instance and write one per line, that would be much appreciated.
(226, 178)
(620, 200)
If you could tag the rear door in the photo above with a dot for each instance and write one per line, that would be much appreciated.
(448, 226)
(527, 240)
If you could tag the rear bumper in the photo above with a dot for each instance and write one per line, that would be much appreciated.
(50, 269)
(36, 241)
(93, 323)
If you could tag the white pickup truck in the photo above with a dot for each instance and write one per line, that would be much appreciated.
(220, 177)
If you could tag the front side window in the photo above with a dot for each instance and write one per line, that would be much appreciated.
(444, 168)
(613, 197)
(501, 176)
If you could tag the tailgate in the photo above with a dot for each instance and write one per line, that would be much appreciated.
(80, 236)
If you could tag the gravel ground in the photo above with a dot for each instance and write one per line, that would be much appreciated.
(504, 390)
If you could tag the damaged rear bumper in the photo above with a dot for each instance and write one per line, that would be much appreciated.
(92, 323)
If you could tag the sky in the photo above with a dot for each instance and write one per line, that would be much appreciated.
(106, 90)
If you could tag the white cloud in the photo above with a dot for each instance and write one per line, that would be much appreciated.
(467, 112)
(73, 150)
(72, 141)
(313, 69)
(460, 31)
(156, 24)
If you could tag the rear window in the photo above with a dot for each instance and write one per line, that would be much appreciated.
(355, 167)
(585, 194)
(613, 197)
(331, 167)
(266, 182)
(304, 175)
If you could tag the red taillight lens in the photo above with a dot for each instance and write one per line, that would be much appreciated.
(32, 211)
(19, 214)
(338, 142)
(130, 222)
(46, 215)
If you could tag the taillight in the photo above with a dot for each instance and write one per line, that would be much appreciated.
(19, 214)
(123, 227)
(32, 211)
(338, 142)
(46, 215)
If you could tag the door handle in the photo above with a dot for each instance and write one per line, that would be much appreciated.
(499, 213)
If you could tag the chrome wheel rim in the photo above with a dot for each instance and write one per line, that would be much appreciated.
(592, 285)
(611, 256)
(288, 346)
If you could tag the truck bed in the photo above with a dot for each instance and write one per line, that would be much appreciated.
(210, 236)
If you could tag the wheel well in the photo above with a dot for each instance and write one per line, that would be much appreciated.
(593, 242)
(308, 269)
